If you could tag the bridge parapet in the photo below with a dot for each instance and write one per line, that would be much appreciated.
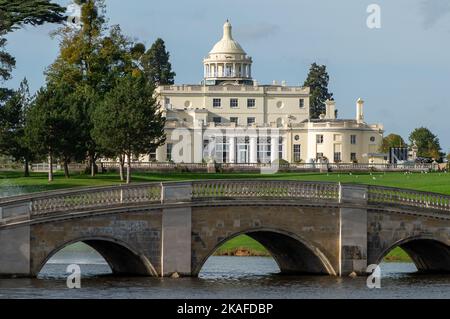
(403, 197)
(26, 207)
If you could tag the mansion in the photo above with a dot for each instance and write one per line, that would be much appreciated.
(230, 118)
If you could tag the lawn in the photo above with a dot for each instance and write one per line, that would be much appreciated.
(12, 183)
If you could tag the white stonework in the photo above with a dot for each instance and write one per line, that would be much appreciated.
(231, 118)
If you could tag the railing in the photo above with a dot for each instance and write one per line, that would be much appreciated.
(292, 167)
(87, 199)
(26, 207)
(403, 197)
(264, 190)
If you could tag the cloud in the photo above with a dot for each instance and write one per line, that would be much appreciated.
(257, 31)
(433, 11)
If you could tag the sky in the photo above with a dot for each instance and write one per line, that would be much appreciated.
(401, 70)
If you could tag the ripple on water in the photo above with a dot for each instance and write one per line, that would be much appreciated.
(221, 277)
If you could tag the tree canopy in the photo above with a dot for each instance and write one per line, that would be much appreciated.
(13, 142)
(317, 81)
(16, 13)
(427, 143)
(156, 65)
(128, 121)
(392, 140)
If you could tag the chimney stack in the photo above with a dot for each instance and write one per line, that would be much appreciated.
(360, 111)
(330, 109)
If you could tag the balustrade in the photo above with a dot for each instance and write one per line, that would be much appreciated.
(102, 198)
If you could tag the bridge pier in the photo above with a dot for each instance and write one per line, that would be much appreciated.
(353, 229)
(15, 241)
(176, 230)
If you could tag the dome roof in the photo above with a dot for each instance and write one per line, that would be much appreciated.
(227, 44)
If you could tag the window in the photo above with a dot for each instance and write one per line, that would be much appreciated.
(217, 103)
(337, 157)
(169, 151)
(264, 149)
(166, 101)
(251, 103)
(352, 139)
(234, 103)
(250, 120)
(221, 149)
(234, 120)
(296, 137)
(319, 139)
(372, 139)
(297, 153)
(217, 119)
(353, 157)
(280, 147)
(301, 103)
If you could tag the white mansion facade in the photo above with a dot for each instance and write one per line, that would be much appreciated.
(231, 118)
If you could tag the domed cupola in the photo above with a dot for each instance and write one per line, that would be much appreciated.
(227, 62)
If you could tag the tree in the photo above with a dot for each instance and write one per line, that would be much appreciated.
(50, 127)
(427, 143)
(7, 62)
(317, 81)
(81, 65)
(392, 140)
(12, 127)
(128, 122)
(16, 13)
(156, 65)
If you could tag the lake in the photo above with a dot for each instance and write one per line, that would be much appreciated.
(221, 277)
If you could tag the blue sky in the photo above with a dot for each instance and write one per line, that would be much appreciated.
(402, 70)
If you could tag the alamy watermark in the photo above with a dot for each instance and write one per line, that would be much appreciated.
(374, 19)
(74, 279)
(374, 279)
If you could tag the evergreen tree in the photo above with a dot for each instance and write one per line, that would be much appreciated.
(317, 81)
(128, 122)
(82, 65)
(46, 127)
(156, 65)
(427, 143)
(16, 13)
(12, 127)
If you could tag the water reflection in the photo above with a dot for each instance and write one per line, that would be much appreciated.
(221, 277)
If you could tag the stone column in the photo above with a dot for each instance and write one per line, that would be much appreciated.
(353, 229)
(176, 230)
(273, 149)
(161, 153)
(253, 149)
(232, 150)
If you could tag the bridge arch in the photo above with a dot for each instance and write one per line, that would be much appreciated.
(122, 258)
(428, 253)
(293, 254)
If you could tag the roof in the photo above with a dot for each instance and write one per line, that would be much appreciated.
(227, 44)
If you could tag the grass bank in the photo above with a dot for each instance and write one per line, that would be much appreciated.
(431, 182)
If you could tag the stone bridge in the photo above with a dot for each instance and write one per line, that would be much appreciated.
(156, 229)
